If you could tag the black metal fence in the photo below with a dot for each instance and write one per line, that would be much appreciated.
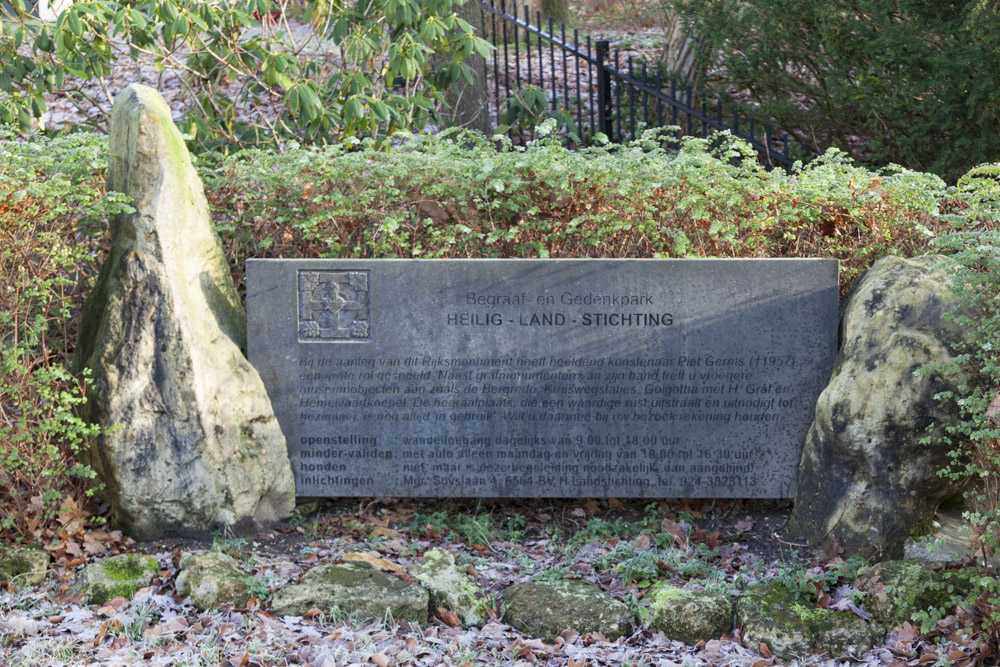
(589, 82)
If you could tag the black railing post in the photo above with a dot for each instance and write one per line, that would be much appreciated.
(608, 89)
(603, 89)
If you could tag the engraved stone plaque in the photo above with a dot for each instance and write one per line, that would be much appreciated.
(544, 378)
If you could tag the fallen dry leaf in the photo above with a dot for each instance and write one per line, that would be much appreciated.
(377, 563)
(448, 617)
(677, 530)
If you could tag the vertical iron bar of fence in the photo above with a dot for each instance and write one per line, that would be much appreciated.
(603, 89)
(718, 112)
(657, 101)
(541, 50)
(767, 142)
(506, 54)
(736, 122)
(486, 65)
(645, 97)
(562, 36)
(579, 104)
(618, 98)
(704, 115)
(517, 51)
(690, 130)
(552, 61)
(784, 145)
(591, 59)
(631, 99)
(496, 65)
(752, 130)
(673, 97)
(527, 44)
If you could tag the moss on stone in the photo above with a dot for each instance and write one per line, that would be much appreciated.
(23, 565)
(129, 568)
(687, 615)
(769, 614)
(545, 609)
(210, 579)
(357, 589)
(452, 588)
(116, 576)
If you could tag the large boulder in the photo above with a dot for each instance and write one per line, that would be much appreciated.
(545, 609)
(354, 589)
(190, 443)
(865, 477)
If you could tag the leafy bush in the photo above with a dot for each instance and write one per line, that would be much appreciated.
(280, 92)
(52, 214)
(435, 197)
(974, 243)
(889, 80)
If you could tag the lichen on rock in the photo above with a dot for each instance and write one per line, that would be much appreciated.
(451, 588)
(120, 575)
(210, 579)
(689, 616)
(865, 476)
(24, 565)
(769, 614)
(546, 609)
(190, 443)
(355, 589)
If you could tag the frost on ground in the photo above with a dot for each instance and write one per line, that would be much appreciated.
(622, 546)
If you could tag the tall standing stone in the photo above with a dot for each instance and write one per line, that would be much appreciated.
(190, 443)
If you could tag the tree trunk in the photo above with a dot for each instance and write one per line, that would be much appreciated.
(681, 49)
(470, 102)
(557, 10)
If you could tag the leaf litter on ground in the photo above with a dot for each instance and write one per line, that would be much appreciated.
(499, 543)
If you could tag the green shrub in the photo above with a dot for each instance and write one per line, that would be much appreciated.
(889, 80)
(974, 243)
(250, 81)
(435, 197)
(52, 213)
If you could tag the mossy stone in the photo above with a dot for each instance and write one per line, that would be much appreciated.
(897, 588)
(120, 575)
(689, 616)
(354, 588)
(769, 614)
(866, 476)
(23, 565)
(210, 579)
(546, 609)
(451, 588)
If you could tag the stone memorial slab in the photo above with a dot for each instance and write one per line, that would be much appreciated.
(544, 378)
